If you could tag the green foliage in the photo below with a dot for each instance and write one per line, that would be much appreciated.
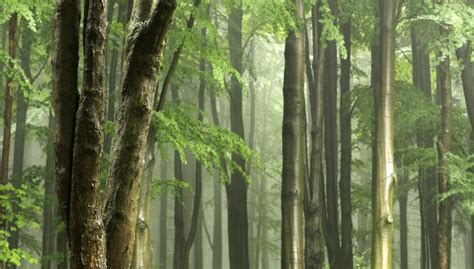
(212, 146)
(33, 11)
(173, 185)
(24, 200)
(456, 20)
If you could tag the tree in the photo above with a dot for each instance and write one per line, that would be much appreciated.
(237, 214)
(294, 128)
(385, 179)
(314, 202)
(79, 127)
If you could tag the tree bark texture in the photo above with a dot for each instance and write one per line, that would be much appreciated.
(314, 209)
(385, 178)
(143, 60)
(293, 133)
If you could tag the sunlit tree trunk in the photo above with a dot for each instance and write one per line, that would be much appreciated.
(314, 209)
(346, 153)
(385, 179)
(294, 128)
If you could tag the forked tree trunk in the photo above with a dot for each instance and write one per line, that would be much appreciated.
(384, 170)
(294, 128)
(314, 209)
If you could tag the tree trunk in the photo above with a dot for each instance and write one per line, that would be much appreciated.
(314, 235)
(443, 146)
(331, 149)
(141, 69)
(20, 131)
(294, 129)
(121, 18)
(86, 224)
(163, 255)
(385, 179)
(48, 205)
(403, 206)
(179, 255)
(7, 112)
(427, 176)
(62, 249)
(217, 252)
(346, 153)
(237, 189)
(198, 253)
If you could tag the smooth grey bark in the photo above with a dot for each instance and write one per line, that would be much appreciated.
(293, 131)
(403, 209)
(384, 166)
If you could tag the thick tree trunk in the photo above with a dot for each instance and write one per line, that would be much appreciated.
(237, 189)
(294, 128)
(163, 254)
(314, 236)
(385, 179)
(142, 64)
(48, 205)
(217, 251)
(346, 153)
(87, 236)
(331, 150)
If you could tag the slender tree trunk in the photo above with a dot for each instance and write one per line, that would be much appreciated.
(331, 149)
(217, 232)
(179, 254)
(198, 253)
(427, 176)
(237, 189)
(20, 131)
(346, 153)
(314, 236)
(48, 205)
(403, 206)
(294, 129)
(443, 146)
(7, 112)
(112, 82)
(385, 179)
(163, 255)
